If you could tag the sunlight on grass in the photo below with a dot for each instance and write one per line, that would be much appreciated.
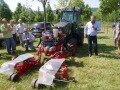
(94, 73)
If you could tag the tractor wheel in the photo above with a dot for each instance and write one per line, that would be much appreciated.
(74, 47)
(34, 83)
(13, 77)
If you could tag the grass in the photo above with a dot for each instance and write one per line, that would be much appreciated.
(91, 73)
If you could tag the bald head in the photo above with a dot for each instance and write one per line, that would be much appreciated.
(11, 22)
(92, 18)
(25, 30)
(20, 21)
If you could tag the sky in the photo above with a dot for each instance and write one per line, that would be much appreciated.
(35, 4)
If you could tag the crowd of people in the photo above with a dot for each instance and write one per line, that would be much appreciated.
(10, 33)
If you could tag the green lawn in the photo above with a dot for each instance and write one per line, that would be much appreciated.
(91, 73)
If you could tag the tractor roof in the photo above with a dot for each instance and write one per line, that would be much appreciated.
(72, 9)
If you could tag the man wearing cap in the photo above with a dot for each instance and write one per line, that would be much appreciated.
(20, 30)
(7, 35)
(90, 31)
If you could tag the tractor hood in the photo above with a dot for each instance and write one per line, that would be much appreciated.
(62, 24)
(64, 27)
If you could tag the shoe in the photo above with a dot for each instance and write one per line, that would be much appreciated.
(13, 52)
(90, 55)
(0, 54)
(96, 54)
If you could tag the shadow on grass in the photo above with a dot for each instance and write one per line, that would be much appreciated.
(103, 50)
(103, 37)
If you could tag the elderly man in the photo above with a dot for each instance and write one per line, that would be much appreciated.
(13, 31)
(7, 35)
(90, 31)
(28, 39)
(20, 29)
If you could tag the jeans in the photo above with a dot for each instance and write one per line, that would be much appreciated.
(10, 44)
(94, 40)
(30, 44)
(14, 37)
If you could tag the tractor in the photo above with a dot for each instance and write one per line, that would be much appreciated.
(71, 16)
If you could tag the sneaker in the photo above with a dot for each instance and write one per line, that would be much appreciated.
(90, 55)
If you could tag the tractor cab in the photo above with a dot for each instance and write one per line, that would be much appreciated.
(70, 17)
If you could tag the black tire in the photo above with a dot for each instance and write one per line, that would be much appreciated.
(34, 83)
(74, 47)
(13, 77)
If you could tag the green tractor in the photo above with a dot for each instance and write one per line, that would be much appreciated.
(70, 20)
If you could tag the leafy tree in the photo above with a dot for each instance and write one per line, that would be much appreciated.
(86, 13)
(5, 11)
(18, 11)
(38, 16)
(49, 13)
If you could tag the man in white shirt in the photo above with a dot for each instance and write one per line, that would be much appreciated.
(20, 30)
(90, 31)
(13, 31)
(28, 39)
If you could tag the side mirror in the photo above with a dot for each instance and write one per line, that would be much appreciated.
(81, 24)
(80, 10)
(57, 11)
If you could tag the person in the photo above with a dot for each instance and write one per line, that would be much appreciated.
(20, 29)
(117, 36)
(115, 28)
(13, 31)
(28, 39)
(90, 31)
(7, 35)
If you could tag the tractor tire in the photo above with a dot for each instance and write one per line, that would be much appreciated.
(74, 47)
(13, 77)
(34, 83)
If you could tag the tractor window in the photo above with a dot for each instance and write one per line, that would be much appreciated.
(68, 16)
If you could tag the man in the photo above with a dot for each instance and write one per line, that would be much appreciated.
(7, 35)
(28, 39)
(20, 29)
(13, 31)
(116, 27)
(90, 32)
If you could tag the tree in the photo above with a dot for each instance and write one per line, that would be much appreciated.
(18, 11)
(38, 16)
(86, 13)
(49, 13)
(5, 11)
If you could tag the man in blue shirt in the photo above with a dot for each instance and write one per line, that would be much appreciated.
(28, 39)
(90, 31)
